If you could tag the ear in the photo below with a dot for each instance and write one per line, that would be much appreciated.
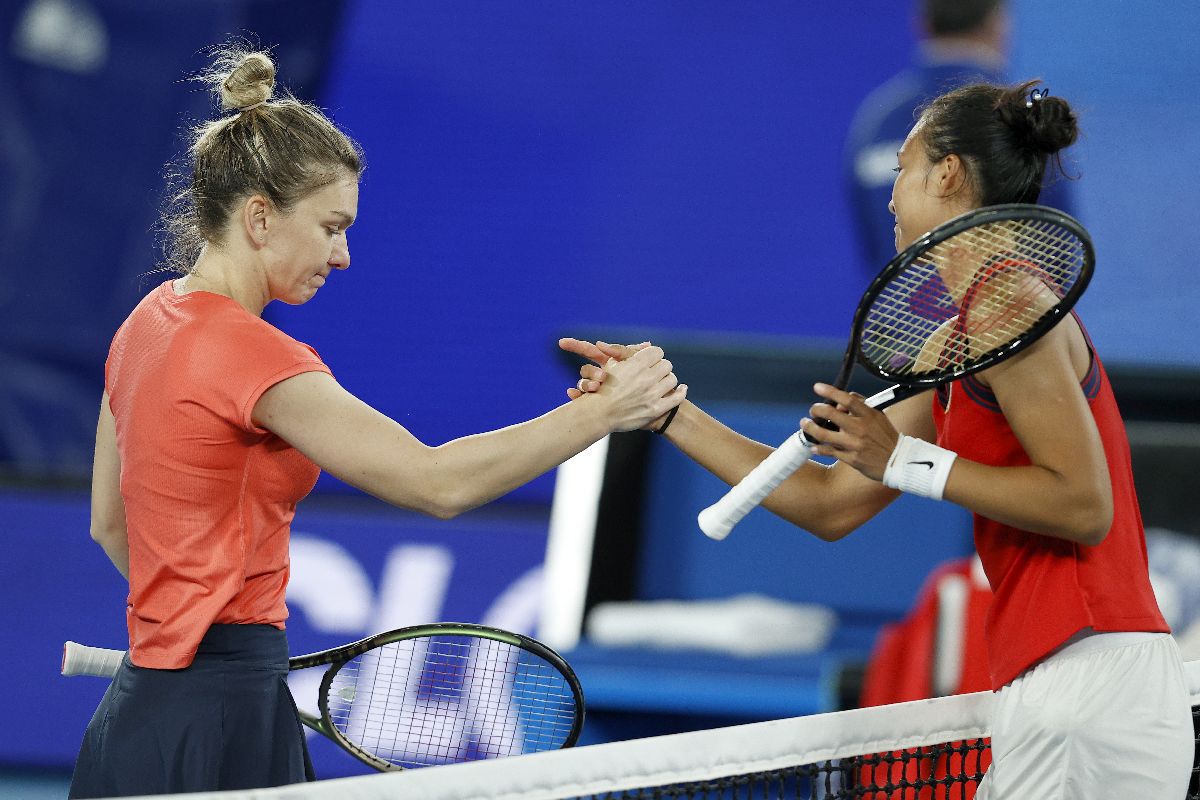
(949, 176)
(256, 219)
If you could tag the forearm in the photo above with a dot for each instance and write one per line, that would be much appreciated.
(349, 439)
(828, 502)
(1034, 499)
(382, 458)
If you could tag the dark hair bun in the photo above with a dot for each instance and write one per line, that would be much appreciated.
(1041, 122)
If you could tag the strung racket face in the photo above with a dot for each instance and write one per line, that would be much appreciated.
(965, 296)
(974, 291)
(451, 697)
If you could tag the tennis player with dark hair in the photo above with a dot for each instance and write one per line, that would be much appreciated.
(214, 425)
(1091, 694)
(961, 42)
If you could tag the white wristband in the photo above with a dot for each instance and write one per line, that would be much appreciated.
(918, 467)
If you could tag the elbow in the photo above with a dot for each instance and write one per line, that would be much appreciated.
(107, 535)
(828, 533)
(831, 530)
(431, 505)
(828, 525)
(843, 520)
(443, 511)
(1094, 527)
(423, 489)
(1092, 520)
(447, 502)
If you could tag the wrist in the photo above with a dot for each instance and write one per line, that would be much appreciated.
(684, 418)
(918, 467)
(594, 414)
(661, 428)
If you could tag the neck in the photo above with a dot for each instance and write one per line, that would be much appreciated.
(220, 273)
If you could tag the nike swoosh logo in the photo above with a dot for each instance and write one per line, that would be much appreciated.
(923, 463)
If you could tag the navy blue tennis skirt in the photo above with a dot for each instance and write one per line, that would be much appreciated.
(226, 722)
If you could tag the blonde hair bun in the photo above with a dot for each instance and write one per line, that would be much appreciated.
(250, 82)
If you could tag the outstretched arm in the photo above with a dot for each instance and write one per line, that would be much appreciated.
(365, 448)
(828, 501)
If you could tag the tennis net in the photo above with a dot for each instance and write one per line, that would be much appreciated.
(923, 750)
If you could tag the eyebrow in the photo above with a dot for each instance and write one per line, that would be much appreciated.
(346, 219)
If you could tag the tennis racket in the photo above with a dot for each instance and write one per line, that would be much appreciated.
(430, 694)
(972, 292)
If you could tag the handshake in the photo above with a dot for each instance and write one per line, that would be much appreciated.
(615, 364)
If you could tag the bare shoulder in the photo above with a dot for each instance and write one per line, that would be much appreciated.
(930, 357)
(1061, 351)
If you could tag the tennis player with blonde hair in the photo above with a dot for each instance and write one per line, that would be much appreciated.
(214, 425)
(1091, 697)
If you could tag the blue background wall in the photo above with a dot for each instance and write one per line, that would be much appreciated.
(546, 167)
(549, 167)
(535, 168)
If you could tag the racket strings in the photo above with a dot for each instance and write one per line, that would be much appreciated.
(450, 698)
(970, 296)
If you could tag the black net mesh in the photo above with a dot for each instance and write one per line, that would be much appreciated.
(939, 772)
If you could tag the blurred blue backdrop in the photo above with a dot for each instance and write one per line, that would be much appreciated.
(540, 168)
(534, 169)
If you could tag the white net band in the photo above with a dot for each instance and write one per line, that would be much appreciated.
(744, 750)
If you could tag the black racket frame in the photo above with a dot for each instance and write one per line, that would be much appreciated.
(908, 384)
(340, 656)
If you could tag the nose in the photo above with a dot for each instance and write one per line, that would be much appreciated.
(892, 207)
(340, 257)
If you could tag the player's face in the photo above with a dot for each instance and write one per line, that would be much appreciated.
(309, 242)
(916, 202)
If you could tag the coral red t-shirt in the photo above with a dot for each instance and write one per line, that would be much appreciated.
(209, 496)
(1047, 589)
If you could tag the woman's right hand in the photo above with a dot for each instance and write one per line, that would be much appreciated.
(603, 355)
(592, 375)
(637, 388)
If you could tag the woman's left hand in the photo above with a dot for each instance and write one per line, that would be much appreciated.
(865, 437)
(591, 375)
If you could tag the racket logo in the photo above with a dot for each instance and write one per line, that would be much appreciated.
(928, 464)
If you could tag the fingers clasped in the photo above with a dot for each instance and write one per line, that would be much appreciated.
(625, 369)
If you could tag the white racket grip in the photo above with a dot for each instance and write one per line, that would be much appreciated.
(718, 519)
(79, 659)
(879, 398)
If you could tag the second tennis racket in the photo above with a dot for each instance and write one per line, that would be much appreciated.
(425, 695)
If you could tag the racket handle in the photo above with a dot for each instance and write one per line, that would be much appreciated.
(718, 519)
(79, 659)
